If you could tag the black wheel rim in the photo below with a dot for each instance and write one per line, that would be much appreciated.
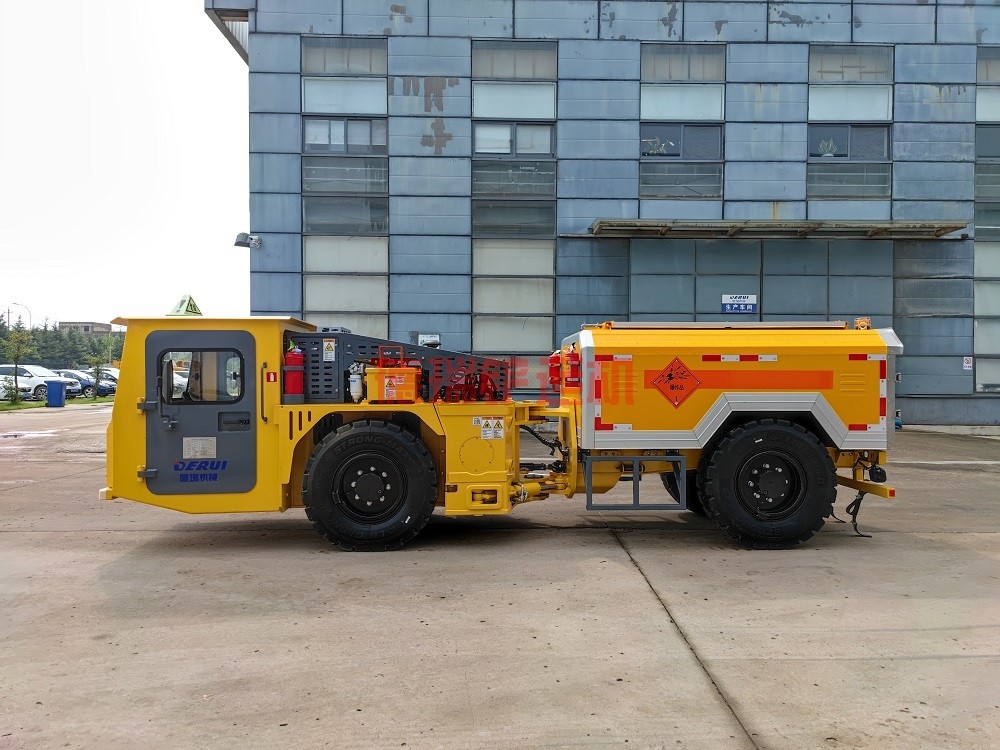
(771, 485)
(369, 487)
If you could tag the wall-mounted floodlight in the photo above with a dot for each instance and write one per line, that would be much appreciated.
(247, 240)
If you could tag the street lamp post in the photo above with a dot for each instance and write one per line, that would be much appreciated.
(30, 324)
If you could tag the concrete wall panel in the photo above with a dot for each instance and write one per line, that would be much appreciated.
(653, 293)
(596, 100)
(809, 22)
(931, 260)
(767, 63)
(934, 63)
(430, 96)
(556, 19)
(430, 136)
(933, 297)
(274, 92)
(275, 133)
(479, 20)
(430, 254)
(662, 256)
(767, 102)
(430, 215)
(648, 22)
(280, 253)
(893, 23)
(766, 141)
(597, 139)
(779, 181)
(583, 257)
(455, 330)
(765, 210)
(653, 208)
(430, 56)
(728, 257)
(275, 212)
(426, 293)
(598, 179)
(916, 180)
(792, 295)
(385, 17)
(933, 141)
(951, 103)
(574, 215)
(725, 22)
(429, 176)
(602, 296)
(599, 59)
(275, 173)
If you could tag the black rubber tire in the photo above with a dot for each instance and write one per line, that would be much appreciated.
(769, 484)
(693, 499)
(41, 392)
(397, 493)
(88, 391)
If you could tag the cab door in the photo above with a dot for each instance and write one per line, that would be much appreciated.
(201, 429)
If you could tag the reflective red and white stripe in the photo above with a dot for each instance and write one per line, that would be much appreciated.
(883, 392)
(596, 389)
(739, 357)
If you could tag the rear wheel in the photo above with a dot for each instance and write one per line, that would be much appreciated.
(693, 499)
(370, 486)
(88, 391)
(770, 484)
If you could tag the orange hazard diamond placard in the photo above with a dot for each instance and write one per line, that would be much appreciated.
(676, 382)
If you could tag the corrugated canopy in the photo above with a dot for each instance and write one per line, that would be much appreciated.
(879, 230)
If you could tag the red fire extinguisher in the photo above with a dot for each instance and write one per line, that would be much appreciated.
(294, 373)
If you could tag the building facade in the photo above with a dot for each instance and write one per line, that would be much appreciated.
(499, 172)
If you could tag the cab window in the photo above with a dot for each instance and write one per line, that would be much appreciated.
(201, 376)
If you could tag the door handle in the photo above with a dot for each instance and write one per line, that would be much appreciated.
(168, 421)
(263, 367)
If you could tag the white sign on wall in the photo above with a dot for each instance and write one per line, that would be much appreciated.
(739, 303)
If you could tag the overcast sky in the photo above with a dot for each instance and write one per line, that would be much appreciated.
(123, 161)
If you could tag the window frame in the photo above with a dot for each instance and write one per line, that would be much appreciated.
(343, 42)
(680, 159)
(180, 400)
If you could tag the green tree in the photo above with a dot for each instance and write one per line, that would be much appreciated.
(17, 348)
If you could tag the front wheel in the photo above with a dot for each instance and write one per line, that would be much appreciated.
(370, 486)
(41, 392)
(89, 392)
(770, 484)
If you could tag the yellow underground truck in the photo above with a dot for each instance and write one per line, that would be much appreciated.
(754, 425)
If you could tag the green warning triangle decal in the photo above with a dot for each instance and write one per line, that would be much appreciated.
(187, 306)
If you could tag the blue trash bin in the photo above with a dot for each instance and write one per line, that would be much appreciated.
(55, 393)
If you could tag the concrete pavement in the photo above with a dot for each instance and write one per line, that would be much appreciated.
(126, 625)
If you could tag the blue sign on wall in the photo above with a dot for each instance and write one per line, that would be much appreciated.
(745, 304)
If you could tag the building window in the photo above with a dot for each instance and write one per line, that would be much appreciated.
(848, 161)
(514, 178)
(345, 215)
(681, 159)
(325, 174)
(850, 95)
(513, 218)
(519, 61)
(520, 101)
(332, 56)
(343, 136)
(513, 139)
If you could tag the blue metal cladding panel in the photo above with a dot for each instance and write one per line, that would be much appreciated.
(792, 295)
(935, 63)
(844, 210)
(949, 103)
(932, 210)
(429, 176)
(765, 210)
(663, 256)
(426, 293)
(933, 297)
(725, 22)
(385, 17)
(767, 102)
(809, 22)
(652, 208)
(276, 291)
(728, 257)
(978, 24)
(281, 253)
(598, 179)
(600, 60)
(662, 294)
(274, 92)
(430, 56)
(328, 21)
(651, 22)
(275, 212)
(767, 63)
(930, 259)
(430, 215)
(479, 20)
(766, 141)
(598, 139)
(860, 258)
(430, 96)
(600, 297)
(797, 258)
(934, 141)
(430, 136)
(709, 291)
(427, 254)
(940, 336)
(301, 6)
(780, 181)
(933, 376)
(585, 257)
(880, 24)
(576, 215)
(566, 325)
(274, 53)
(917, 180)
(455, 330)
(275, 173)
(275, 133)
(862, 295)
(595, 100)
(556, 19)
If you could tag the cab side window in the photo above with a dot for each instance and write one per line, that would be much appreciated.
(202, 376)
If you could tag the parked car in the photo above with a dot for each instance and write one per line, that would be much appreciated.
(34, 376)
(103, 388)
